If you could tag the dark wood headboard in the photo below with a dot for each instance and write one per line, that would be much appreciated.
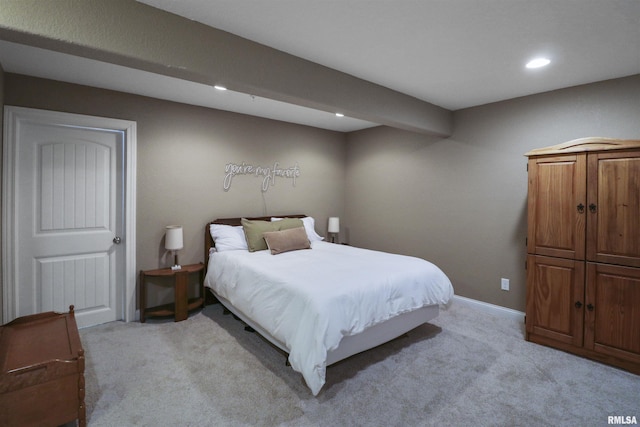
(208, 241)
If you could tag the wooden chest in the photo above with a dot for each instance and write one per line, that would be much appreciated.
(41, 371)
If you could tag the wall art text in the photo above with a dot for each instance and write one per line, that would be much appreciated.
(267, 173)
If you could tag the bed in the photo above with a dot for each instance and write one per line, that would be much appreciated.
(323, 302)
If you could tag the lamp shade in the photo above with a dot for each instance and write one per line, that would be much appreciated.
(334, 224)
(173, 238)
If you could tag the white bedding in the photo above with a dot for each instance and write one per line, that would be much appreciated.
(310, 299)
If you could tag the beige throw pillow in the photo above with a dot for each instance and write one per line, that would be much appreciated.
(287, 223)
(287, 240)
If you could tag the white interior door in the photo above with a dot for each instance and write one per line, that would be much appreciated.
(69, 217)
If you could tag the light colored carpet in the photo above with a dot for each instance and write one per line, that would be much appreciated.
(465, 368)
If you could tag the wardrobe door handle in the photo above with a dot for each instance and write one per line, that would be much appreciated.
(580, 208)
(592, 208)
(590, 307)
(578, 304)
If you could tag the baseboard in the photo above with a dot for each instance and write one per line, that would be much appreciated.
(496, 310)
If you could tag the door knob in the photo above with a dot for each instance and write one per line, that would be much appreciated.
(117, 240)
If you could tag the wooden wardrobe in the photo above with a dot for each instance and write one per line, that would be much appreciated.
(583, 244)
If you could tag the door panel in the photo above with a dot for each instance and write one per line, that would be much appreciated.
(612, 326)
(557, 187)
(74, 186)
(555, 298)
(78, 280)
(613, 225)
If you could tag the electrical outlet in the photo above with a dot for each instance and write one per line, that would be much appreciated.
(504, 284)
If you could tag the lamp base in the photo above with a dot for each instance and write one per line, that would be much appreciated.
(175, 265)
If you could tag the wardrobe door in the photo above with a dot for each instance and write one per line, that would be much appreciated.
(613, 220)
(555, 300)
(612, 318)
(557, 206)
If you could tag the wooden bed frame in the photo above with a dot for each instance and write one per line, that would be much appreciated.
(350, 345)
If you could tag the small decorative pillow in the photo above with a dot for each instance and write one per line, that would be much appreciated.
(287, 223)
(227, 237)
(309, 226)
(291, 239)
(253, 231)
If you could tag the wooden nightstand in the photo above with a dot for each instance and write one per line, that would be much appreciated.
(182, 303)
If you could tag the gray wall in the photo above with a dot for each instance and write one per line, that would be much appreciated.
(182, 152)
(461, 201)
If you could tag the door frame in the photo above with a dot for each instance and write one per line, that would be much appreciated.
(12, 116)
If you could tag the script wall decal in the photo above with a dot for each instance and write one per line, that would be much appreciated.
(267, 173)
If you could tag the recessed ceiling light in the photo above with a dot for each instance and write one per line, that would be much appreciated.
(339, 115)
(538, 62)
(220, 87)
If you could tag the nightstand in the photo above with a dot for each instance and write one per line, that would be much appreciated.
(182, 303)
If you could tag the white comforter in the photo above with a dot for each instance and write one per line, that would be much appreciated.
(310, 299)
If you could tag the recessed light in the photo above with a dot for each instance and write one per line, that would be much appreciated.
(538, 62)
(220, 87)
(339, 115)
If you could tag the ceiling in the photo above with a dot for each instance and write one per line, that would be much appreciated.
(451, 53)
(27, 60)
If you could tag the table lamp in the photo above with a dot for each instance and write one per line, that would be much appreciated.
(334, 228)
(173, 242)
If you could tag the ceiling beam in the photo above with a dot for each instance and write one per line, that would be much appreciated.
(135, 35)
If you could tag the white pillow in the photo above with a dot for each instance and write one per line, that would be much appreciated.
(228, 237)
(309, 227)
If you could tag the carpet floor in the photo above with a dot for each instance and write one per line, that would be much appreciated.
(465, 368)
